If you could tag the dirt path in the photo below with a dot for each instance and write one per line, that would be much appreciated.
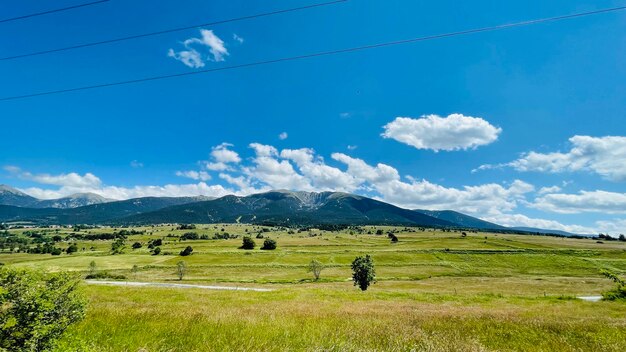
(159, 284)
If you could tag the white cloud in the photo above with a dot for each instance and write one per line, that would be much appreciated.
(345, 115)
(552, 189)
(519, 220)
(194, 175)
(615, 226)
(192, 57)
(283, 136)
(222, 157)
(455, 132)
(351, 147)
(238, 38)
(72, 179)
(584, 201)
(278, 174)
(321, 176)
(605, 156)
(136, 164)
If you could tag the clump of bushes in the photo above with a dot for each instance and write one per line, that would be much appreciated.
(269, 244)
(156, 251)
(189, 236)
(105, 275)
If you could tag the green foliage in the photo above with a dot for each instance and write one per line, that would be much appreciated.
(181, 269)
(190, 236)
(269, 244)
(156, 251)
(105, 275)
(248, 243)
(187, 251)
(363, 273)
(92, 267)
(619, 292)
(117, 247)
(137, 245)
(316, 268)
(37, 308)
(72, 248)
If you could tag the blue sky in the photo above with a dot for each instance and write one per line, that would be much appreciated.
(491, 99)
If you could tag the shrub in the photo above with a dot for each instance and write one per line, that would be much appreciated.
(117, 247)
(37, 308)
(259, 235)
(248, 243)
(73, 248)
(156, 251)
(105, 275)
(363, 273)
(316, 268)
(393, 237)
(56, 251)
(137, 245)
(187, 251)
(269, 244)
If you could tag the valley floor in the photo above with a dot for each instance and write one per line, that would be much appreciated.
(436, 291)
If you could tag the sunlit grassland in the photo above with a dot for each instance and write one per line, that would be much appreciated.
(436, 291)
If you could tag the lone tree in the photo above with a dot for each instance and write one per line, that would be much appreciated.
(93, 267)
(37, 308)
(316, 268)
(269, 244)
(187, 251)
(181, 269)
(134, 270)
(363, 273)
(248, 243)
(73, 248)
(117, 247)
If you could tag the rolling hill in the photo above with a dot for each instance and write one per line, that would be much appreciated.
(461, 219)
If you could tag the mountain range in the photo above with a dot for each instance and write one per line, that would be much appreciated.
(274, 207)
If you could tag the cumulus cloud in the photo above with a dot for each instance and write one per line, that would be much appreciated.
(454, 132)
(191, 56)
(222, 158)
(605, 156)
(283, 136)
(72, 179)
(519, 220)
(194, 175)
(278, 174)
(584, 201)
(551, 189)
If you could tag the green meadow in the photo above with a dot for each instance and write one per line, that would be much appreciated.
(435, 291)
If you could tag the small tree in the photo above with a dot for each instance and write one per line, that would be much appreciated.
(134, 270)
(187, 251)
(269, 244)
(136, 245)
(363, 273)
(156, 251)
(248, 243)
(181, 269)
(316, 268)
(117, 247)
(92, 267)
(37, 308)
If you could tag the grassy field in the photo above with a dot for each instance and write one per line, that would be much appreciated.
(436, 291)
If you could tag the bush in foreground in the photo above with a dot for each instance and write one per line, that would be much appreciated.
(37, 308)
(619, 292)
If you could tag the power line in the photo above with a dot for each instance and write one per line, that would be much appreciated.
(52, 11)
(322, 53)
(115, 40)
